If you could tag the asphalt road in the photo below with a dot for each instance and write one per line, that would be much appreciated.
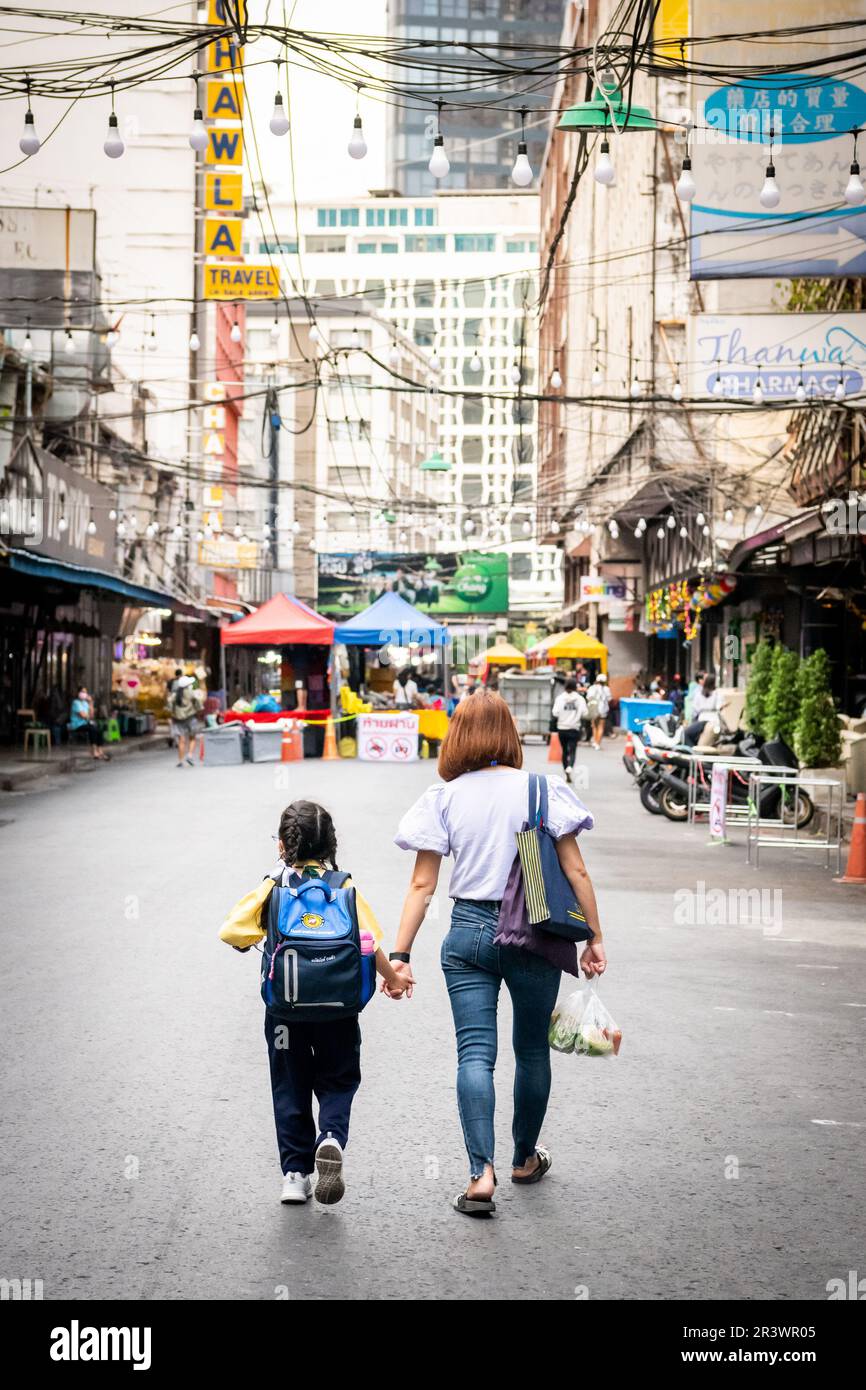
(720, 1155)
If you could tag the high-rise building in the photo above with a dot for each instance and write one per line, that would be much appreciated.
(481, 126)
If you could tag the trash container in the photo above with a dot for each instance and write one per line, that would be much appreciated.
(314, 740)
(224, 746)
(633, 713)
(266, 741)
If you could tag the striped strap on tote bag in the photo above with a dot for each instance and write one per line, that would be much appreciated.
(529, 850)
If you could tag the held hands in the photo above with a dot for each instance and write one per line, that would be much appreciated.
(593, 961)
(406, 981)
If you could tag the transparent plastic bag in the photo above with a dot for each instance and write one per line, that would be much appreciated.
(565, 1021)
(598, 1034)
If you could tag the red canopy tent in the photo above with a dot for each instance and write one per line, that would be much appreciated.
(281, 622)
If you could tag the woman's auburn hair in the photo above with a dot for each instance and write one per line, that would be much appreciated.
(482, 732)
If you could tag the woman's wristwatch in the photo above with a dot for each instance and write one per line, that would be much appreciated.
(399, 955)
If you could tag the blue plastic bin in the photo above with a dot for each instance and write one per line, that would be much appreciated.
(632, 713)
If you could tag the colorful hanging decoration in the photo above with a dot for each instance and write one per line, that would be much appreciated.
(682, 601)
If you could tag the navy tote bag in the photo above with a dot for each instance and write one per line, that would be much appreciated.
(550, 902)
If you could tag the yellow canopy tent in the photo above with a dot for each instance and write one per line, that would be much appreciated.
(577, 645)
(503, 654)
(543, 647)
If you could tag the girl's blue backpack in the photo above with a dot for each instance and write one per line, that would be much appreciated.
(312, 965)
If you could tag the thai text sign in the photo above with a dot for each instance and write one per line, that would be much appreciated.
(387, 738)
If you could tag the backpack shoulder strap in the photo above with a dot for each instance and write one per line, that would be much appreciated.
(336, 878)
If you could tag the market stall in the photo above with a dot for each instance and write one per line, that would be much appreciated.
(503, 654)
(277, 658)
(391, 623)
(578, 645)
(539, 653)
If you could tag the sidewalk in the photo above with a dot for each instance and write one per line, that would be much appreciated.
(18, 773)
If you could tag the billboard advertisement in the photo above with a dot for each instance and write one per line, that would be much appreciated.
(811, 231)
(780, 350)
(468, 582)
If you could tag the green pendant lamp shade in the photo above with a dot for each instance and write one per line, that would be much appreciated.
(436, 464)
(596, 115)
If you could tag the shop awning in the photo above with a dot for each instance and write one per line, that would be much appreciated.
(543, 647)
(64, 572)
(391, 620)
(503, 654)
(281, 622)
(577, 645)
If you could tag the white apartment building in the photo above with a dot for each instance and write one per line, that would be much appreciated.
(456, 274)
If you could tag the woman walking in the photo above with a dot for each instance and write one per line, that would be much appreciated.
(569, 711)
(473, 815)
(598, 704)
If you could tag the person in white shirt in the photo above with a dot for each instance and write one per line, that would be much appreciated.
(706, 703)
(405, 690)
(569, 712)
(598, 702)
(473, 815)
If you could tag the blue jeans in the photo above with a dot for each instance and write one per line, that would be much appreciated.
(474, 969)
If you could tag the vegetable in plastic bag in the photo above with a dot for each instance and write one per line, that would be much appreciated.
(564, 1023)
(597, 1034)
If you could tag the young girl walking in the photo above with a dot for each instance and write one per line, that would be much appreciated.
(318, 1055)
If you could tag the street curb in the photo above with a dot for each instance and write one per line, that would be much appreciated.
(19, 778)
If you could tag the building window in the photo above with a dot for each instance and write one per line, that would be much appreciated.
(318, 245)
(326, 217)
(425, 217)
(423, 332)
(348, 217)
(274, 248)
(522, 247)
(475, 242)
(425, 243)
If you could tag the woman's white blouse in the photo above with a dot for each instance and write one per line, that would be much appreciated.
(475, 819)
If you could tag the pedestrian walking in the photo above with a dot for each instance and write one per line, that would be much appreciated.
(569, 711)
(598, 707)
(83, 724)
(185, 706)
(473, 815)
(319, 1054)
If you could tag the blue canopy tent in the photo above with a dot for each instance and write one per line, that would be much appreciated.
(391, 620)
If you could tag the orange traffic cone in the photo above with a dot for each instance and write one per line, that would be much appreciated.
(330, 750)
(855, 871)
(554, 749)
(291, 748)
(629, 745)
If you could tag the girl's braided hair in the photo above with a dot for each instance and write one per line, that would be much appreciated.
(307, 832)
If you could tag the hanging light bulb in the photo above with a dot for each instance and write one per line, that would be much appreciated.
(357, 146)
(29, 142)
(758, 392)
(394, 357)
(758, 509)
(296, 527)
(800, 393)
(729, 515)
(677, 392)
(597, 377)
(311, 544)
(671, 522)
(855, 193)
(515, 375)
(435, 364)
(475, 363)
(521, 173)
(28, 341)
(199, 535)
(194, 341)
(637, 533)
(718, 388)
(69, 342)
(604, 172)
(403, 537)
(356, 340)
(706, 530)
(112, 337)
(641, 523)
(150, 530)
(236, 335)
(198, 134)
(770, 196)
(121, 529)
(684, 532)
(839, 393)
(439, 162)
(62, 524)
(275, 329)
(660, 533)
(238, 532)
(279, 122)
(91, 526)
(315, 334)
(686, 188)
(152, 344)
(636, 388)
(526, 527)
(177, 533)
(469, 525)
(555, 379)
(113, 145)
(554, 527)
(112, 514)
(700, 519)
